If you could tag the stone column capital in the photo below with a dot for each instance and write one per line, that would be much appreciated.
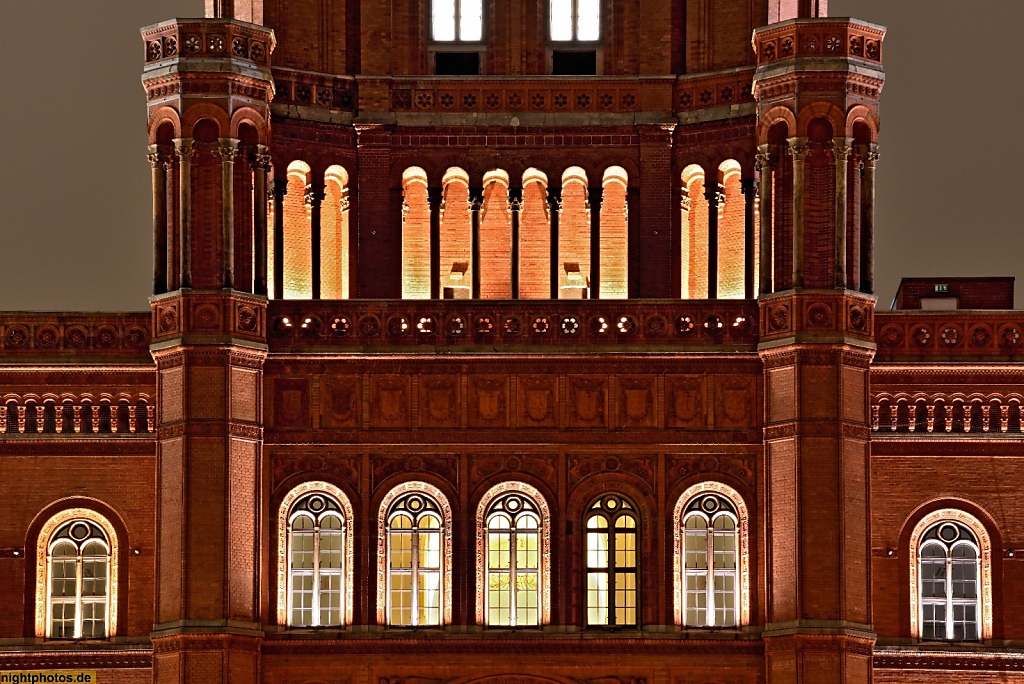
(228, 149)
(798, 148)
(185, 148)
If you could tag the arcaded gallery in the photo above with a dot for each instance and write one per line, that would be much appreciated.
(516, 342)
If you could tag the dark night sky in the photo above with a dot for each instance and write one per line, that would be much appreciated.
(74, 181)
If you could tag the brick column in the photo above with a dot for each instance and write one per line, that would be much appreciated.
(209, 425)
(228, 151)
(867, 225)
(476, 203)
(316, 199)
(554, 206)
(280, 190)
(748, 186)
(435, 199)
(261, 164)
(655, 211)
(711, 194)
(378, 232)
(764, 187)
(159, 177)
(841, 149)
(185, 149)
(798, 148)
(515, 206)
(594, 201)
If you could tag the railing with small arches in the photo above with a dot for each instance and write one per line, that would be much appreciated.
(941, 413)
(77, 416)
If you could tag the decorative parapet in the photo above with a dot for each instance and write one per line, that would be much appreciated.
(514, 325)
(580, 95)
(817, 39)
(941, 335)
(311, 89)
(91, 337)
(208, 315)
(208, 38)
(818, 315)
(721, 89)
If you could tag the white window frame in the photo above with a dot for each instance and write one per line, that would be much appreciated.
(513, 531)
(575, 14)
(384, 516)
(285, 517)
(458, 39)
(984, 570)
(710, 572)
(742, 550)
(316, 572)
(78, 600)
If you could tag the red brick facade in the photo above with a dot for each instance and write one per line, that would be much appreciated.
(309, 171)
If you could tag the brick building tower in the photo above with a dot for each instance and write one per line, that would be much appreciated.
(515, 342)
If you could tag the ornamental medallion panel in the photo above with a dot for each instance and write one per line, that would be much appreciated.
(439, 404)
(389, 401)
(685, 401)
(635, 400)
(538, 401)
(643, 467)
(341, 401)
(488, 401)
(678, 467)
(587, 401)
(291, 402)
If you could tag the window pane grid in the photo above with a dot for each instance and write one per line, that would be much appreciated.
(710, 585)
(316, 562)
(948, 569)
(513, 562)
(78, 569)
(611, 564)
(414, 562)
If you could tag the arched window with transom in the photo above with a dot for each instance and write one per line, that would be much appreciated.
(513, 557)
(949, 562)
(415, 574)
(78, 581)
(612, 585)
(950, 578)
(315, 562)
(314, 578)
(711, 560)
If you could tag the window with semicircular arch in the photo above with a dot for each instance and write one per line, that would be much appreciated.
(513, 562)
(949, 561)
(316, 558)
(710, 550)
(78, 581)
(611, 557)
(414, 561)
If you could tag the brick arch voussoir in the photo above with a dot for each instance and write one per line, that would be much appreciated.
(248, 115)
(956, 502)
(771, 118)
(744, 491)
(161, 116)
(389, 483)
(821, 110)
(865, 115)
(285, 486)
(197, 112)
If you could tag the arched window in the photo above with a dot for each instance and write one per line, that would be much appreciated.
(315, 562)
(712, 558)
(951, 578)
(573, 20)
(513, 554)
(416, 530)
(710, 562)
(456, 20)
(611, 569)
(79, 567)
(314, 574)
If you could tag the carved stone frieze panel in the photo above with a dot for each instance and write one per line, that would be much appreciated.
(345, 467)
(538, 401)
(488, 401)
(439, 404)
(442, 465)
(484, 466)
(685, 401)
(587, 401)
(341, 401)
(390, 401)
